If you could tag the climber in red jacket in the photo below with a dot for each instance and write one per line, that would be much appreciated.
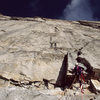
(79, 74)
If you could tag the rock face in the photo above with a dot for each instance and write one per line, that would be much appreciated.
(13, 93)
(23, 94)
(34, 49)
(96, 85)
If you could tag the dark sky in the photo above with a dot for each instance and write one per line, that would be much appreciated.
(60, 9)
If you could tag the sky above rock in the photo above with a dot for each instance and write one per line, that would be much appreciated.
(57, 9)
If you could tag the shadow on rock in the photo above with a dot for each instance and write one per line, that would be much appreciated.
(62, 74)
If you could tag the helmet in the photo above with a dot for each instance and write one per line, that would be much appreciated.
(76, 64)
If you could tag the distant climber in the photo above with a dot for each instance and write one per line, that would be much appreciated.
(79, 75)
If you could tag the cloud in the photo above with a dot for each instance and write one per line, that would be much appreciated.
(78, 10)
(58, 9)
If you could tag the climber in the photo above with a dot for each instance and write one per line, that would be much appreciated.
(79, 75)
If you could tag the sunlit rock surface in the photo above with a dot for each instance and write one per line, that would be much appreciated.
(33, 49)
